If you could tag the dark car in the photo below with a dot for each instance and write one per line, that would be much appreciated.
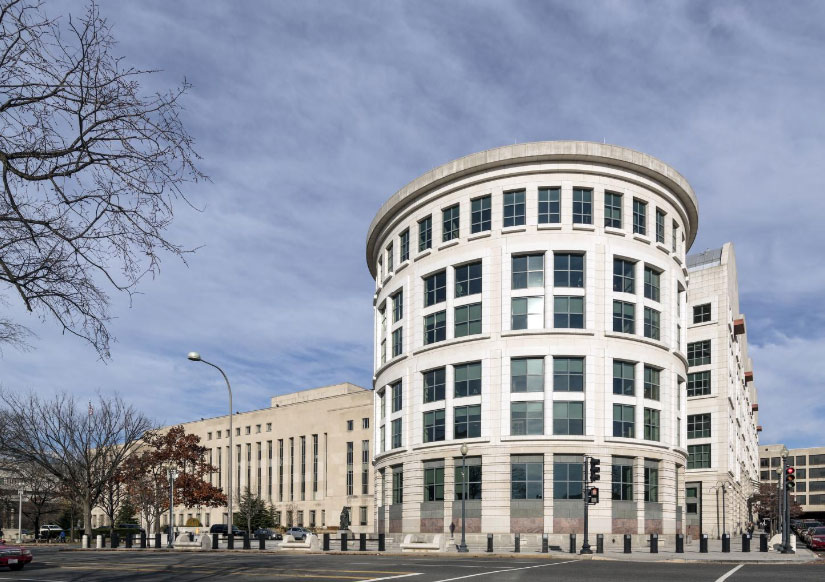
(222, 528)
(15, 557)
(269, 534)
(298, 533)
(130, 528)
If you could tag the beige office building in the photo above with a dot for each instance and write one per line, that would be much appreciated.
(722, 408)
(308, 454)
(810, 475)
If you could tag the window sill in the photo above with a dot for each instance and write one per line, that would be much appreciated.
(546, 331)
(422, 254)
(702, 324)
(549, 226)
(677, 259)
(663, 248)
(642, 238)
(584, 227)
(479, 235)
(614, 231)
(402, 266)
(448, 244)
(512, 229)
(451, 342)
(633, 337)
(701, 397)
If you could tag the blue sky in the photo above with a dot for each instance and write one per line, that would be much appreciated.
(309, 115)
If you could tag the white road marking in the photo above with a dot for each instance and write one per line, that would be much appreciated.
(32, 579)
(392, 577)
(507, 570)
(724, 577)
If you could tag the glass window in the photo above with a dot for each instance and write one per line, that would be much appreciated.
(582, 206)
(404, 246)
(698, 457)
(435, 327)
(652, 323)
(397, 345)
(624, 317)
(549, 205)
(434, 381)
(396, 433)
(434, 484)
(397, 306)
(514, 208)
(467, 379)
(526, 418)
(651, 424)
(613, 209)
(699, 353)
(527, 478)
(473, 481)
(527, 375)
(435, 288)
(397, 396)
(623, 277)
(624, 378)
(652, 283)
(568, 270)
(698, 426)
(652, 383)
(468, 279)
(674, 235)
(622, 471)
(468, 320)
(639, 217)
(651, 484)
(528, 313)
(567, 477)
(467, 422)
(480, 214)
(434, 426)
(568, 418)
(568, 312)
(398, 485)
(568, 374)
(701, 313)
(660, 226)
(624, 420)
(425, 234)
(450, 222)
(390, 257)
(698, 384)
(528, 271)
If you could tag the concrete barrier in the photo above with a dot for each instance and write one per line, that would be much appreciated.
(420, 543)
(308, 544)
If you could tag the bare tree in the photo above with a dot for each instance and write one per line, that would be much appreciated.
(90, 167)
(112, 496)
(83, 449)
(43, 492)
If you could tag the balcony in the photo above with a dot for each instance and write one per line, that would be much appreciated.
(739, 326)
(749, 376)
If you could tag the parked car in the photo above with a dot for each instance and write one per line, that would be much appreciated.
(806, 533)
(128, 528)
(49, 531)
(298, 533)
(15, 557)
(222, 529)
(269, 534)
(817, 538)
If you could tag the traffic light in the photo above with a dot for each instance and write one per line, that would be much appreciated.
(593, 495)
(595, 469)
(790, 478)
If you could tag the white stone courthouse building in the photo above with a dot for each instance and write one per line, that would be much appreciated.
(531, 302)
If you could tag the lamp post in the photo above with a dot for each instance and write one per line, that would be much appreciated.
(173, 473)
(723, 486)
(464, 450)
(20, 517)
(196, 357)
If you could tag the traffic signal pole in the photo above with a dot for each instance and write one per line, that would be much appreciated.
(586, 498)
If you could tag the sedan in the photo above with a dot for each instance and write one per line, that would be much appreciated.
(269, 534)
(816, 538)
(298, 533)
(15, 557)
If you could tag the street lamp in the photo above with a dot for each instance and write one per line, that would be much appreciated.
(464, 450)
(196, 357)
(20, 518)
(173, 474)
(724, 486)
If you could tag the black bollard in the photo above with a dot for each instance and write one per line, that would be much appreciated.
(103, 541)
(362, 542)
(142, 540)
(382, 544)
(763, 542)
(343, 542)
(128, 540)
(261, 542)
(230, 542)
(703, 544)
(680, 543)
(599, 543)
(746, 542)
(654, 543)
(215, 537)
(627, 539)
(490, 543)
(726, 543)
(572, 543)
(518, 544)
(544, 543)
(115, 540)
(157, 541)
(246, 544)
(326, 542)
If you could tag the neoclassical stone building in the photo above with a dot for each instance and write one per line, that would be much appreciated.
(530, 303)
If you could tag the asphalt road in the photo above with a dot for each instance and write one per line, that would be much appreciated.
(52, 566)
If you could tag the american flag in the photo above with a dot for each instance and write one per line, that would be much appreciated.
(91, 408)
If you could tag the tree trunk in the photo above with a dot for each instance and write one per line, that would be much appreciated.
(87, 515)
